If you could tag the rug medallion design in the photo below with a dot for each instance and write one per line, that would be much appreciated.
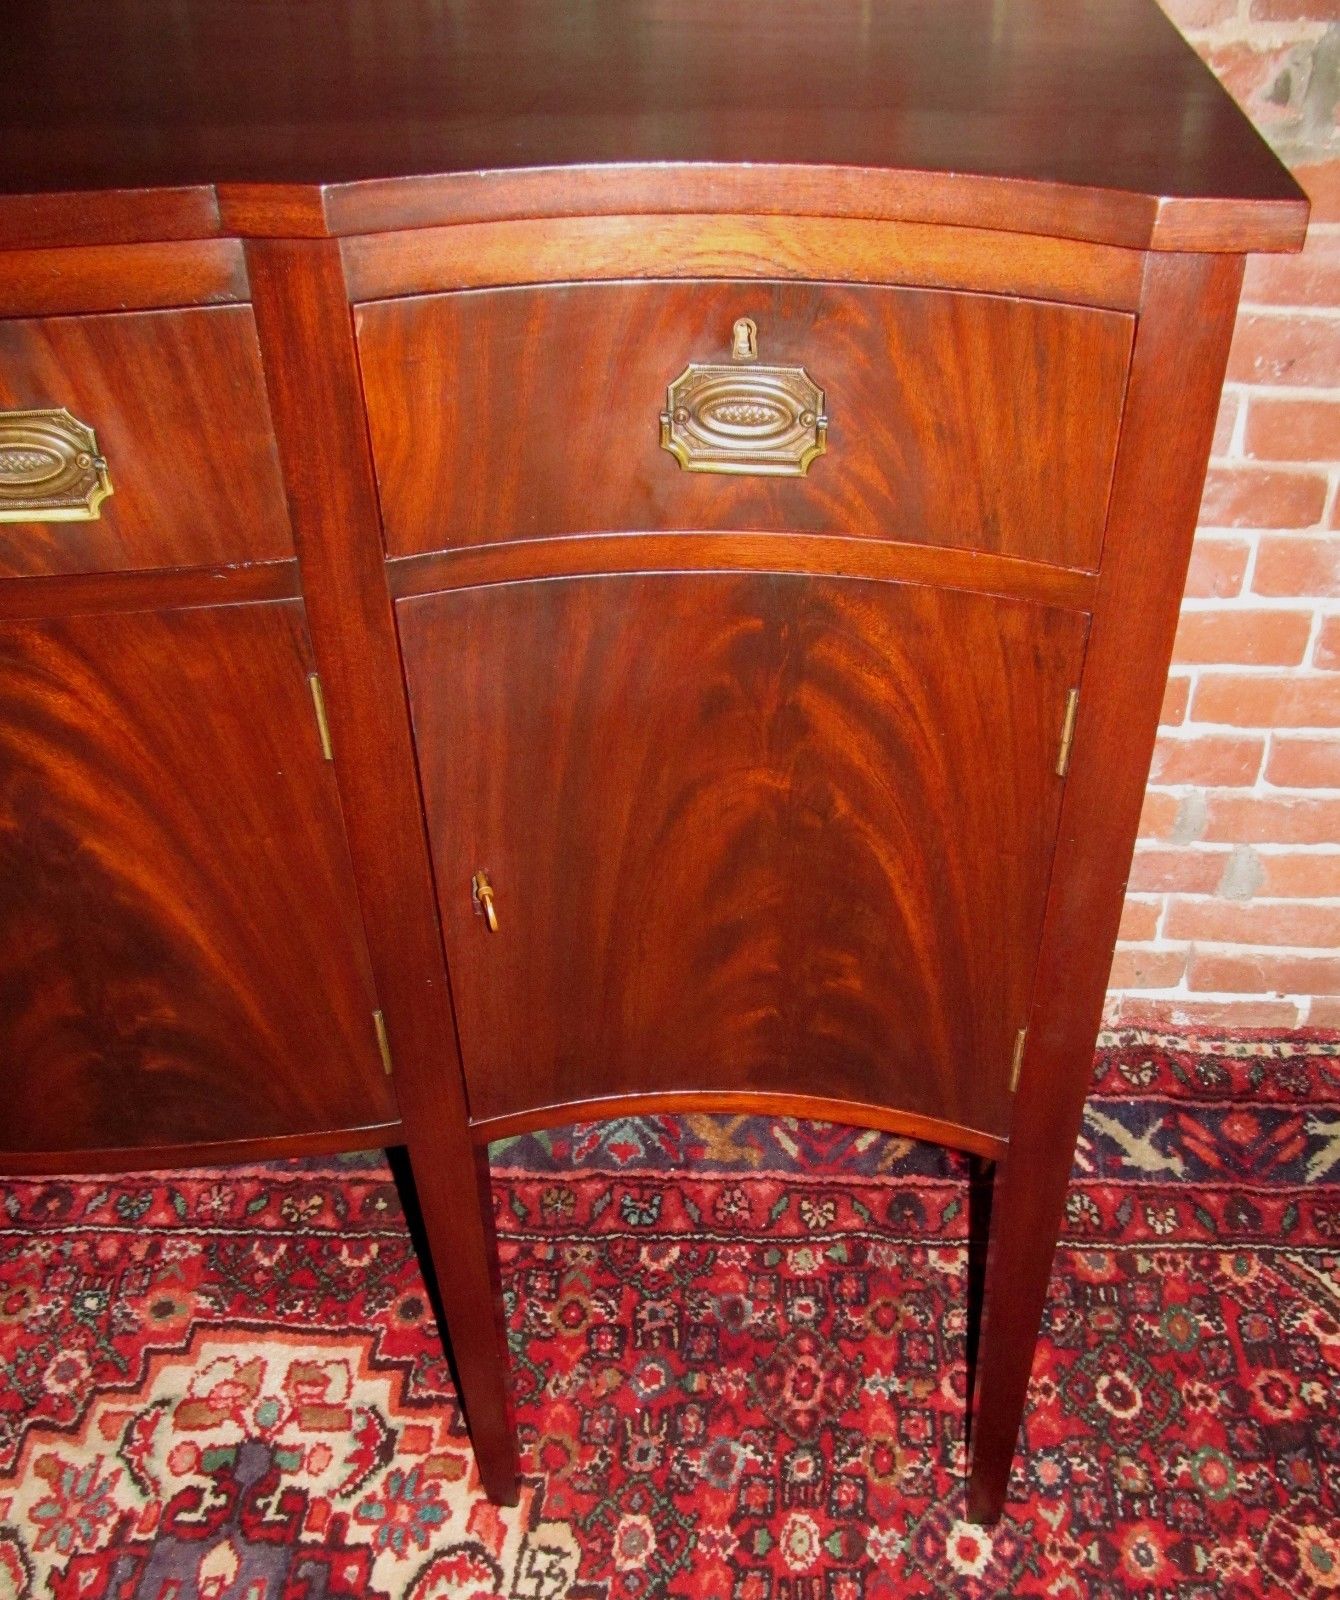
(738, 1356)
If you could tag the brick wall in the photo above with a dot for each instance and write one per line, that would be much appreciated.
(1234, 906)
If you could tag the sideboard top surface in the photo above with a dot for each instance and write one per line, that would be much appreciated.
(1092, 119)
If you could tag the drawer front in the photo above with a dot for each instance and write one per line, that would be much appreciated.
(175, 401)
(961, 420)
(181, 943)
(747, 832)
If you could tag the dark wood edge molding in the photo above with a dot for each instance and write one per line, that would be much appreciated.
(80, 594)
(1181, 351)
(588, 555)
(852, 250)
(152, 1158)
(999, 204)
(311, 370)
(811, 1107)
(108, 216)
(122, 277)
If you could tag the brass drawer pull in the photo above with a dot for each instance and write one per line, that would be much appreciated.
(483, 897)
(50, 469)
(744, 418)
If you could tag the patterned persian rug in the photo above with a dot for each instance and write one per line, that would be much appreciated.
(738, 1350)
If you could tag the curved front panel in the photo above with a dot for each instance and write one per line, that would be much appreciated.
(740, 832)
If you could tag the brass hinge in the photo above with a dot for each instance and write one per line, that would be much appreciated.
(383, 1043)
(319, 702)
(1067, 733)
(1018, 1059)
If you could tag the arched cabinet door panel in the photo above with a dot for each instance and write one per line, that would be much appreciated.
(181, 951)
(746, 832)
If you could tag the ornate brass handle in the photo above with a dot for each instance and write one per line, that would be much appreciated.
(483, 897)
(744, 418)
(50, 469)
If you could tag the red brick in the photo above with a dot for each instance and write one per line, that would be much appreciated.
(1174, 1012)
(1251, 819)
(1225, 423)
(1207, 760)
(1158, 816)
(1262, 972)
(1327, 655)
(1310, 875)
(1321, 182)
(1304, 763)
(1159, 869)
(1324, 1012)
(1260, 497)
(1139, 967)
(1176, 693)
(1292, 11)
(1217, 568)
(1293, 430)
(1140, 919)
(1254, 922)
(1297, 566)
(1310, 278)
(1268, 81)
(1267, 700)
(1248, 638)
(1200, 13)
(1285, 349)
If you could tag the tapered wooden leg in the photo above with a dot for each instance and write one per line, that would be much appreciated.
(981, 1188)
(301, 307)
(1014, 1288)
(457, 1247)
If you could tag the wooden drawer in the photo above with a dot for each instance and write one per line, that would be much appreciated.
(743, 832)
(963, 420)
(176, 401)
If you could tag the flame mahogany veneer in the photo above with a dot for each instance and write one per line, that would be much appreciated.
(808, 794)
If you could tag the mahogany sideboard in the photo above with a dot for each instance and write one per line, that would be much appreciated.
(562, 560)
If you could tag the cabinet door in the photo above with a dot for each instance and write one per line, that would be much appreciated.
(181, 952)
(744, 832)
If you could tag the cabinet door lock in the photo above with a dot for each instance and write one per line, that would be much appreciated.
(483, 898)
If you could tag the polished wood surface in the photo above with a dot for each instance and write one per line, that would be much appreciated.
(379, 266)
(177, 401)
(87, 593)
(1181, 351)
(122, 277)
(1090, 120)
(739, 552)
(736, 1102)
(181, 952)
(744, 834)
(763, 774)
(954, 419)
(312, 368)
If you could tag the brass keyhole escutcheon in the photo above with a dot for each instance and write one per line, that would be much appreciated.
(483, 898)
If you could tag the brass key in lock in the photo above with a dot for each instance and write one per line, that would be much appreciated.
(483, 897)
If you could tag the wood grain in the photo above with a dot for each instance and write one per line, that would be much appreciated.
(181, 954)
(738, 552)
(1091, 121)
(87, 593)
(743, 834)
(727, 1103)
(121, 277)
(379, 266)
(1181, 351)
(959, 420)
(205, 1153)
(312, 369)
(177, 400)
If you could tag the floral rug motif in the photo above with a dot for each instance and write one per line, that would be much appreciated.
(737, 1350)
